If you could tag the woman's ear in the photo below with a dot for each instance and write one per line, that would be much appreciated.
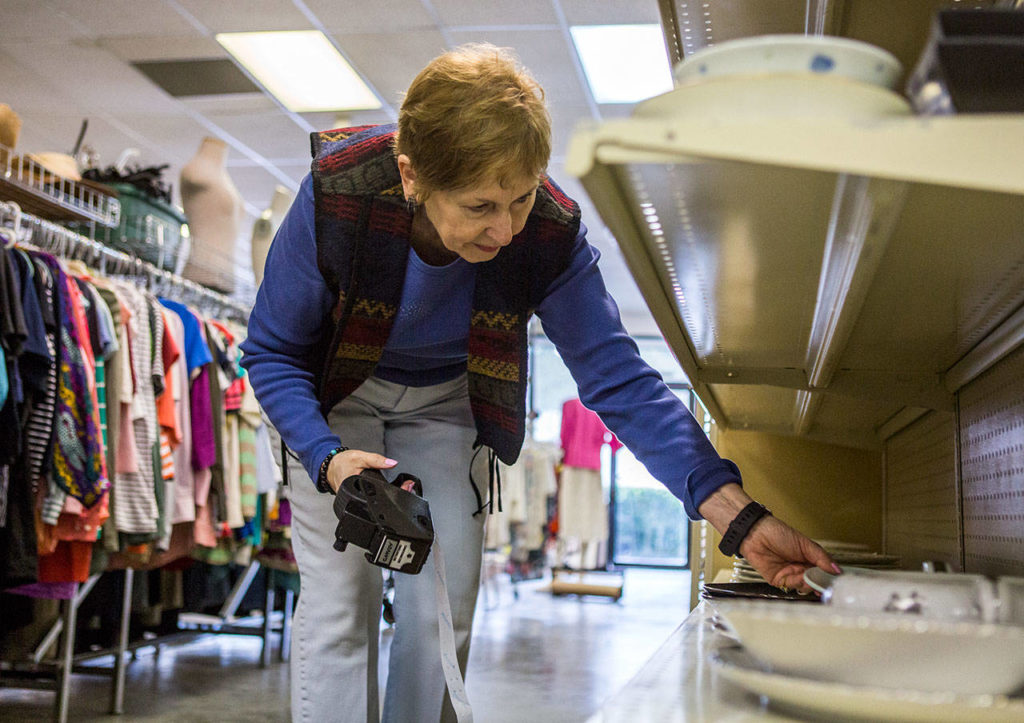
(408, 175)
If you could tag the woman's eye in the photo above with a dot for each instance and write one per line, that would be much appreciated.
(478, 209)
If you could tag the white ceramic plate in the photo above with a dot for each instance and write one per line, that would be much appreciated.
(884, 650)
(819, 580)
(867, 703)
(843, 546)
(791, 54)
(865, 559)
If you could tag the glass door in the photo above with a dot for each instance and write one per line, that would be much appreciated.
(647, 523)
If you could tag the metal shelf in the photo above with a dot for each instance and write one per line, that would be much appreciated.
(53, 197)
(899, 27)
(817, 276)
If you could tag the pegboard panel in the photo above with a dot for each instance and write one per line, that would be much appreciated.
(992, 463)
(922, 516)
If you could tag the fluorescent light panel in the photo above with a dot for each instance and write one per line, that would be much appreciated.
(623, 63)
(302, 69)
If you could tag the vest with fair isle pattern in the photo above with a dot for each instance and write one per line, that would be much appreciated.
(362, 231)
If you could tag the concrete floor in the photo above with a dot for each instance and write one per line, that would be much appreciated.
(535, 658)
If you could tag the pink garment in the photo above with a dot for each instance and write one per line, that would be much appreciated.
(583, 433)
(204, 445)
(203, 531)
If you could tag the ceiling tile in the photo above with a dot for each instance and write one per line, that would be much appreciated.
(27, 91)
(392, 78)
(297, 171)
(545, 53)
(29, 20)
(246, 15)
(371, 17)
(610, 12)
(564, 121)
(161, 138)
(232, 104)
(271, 134)
(489, 13)
(254, 184)
(148, 48)
(100, 82)
(126, 17)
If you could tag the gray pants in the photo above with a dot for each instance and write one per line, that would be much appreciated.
(430, 432)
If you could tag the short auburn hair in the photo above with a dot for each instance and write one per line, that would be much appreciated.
(473, 114)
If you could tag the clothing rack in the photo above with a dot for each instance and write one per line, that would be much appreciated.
(39, 674)
(29, 230)
(61, 241)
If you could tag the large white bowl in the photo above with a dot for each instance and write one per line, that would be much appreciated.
(791, 54)
(826, 701)
(935, 596)
(889, 651)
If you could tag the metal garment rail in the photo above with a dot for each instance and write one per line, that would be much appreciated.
(63, 242)
(39, 674)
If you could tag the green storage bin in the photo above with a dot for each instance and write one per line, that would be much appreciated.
(150, 228)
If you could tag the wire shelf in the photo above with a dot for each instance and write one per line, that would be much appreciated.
(54, 197)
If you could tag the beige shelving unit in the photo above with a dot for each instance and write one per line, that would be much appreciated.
(825, 277)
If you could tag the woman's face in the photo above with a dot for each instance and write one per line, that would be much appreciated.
(478, 221)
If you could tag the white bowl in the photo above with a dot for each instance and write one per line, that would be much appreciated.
(889, 651)
(791, 54)
(935, 596)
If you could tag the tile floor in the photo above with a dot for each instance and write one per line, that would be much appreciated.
(535, 658)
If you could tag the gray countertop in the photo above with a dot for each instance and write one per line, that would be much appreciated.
(679, 684)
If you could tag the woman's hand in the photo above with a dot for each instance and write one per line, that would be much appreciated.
(776, 550)
(781, 554)
(353, 461)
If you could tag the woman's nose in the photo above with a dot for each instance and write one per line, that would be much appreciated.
(501, 230)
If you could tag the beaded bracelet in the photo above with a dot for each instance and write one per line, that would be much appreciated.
(321, 478)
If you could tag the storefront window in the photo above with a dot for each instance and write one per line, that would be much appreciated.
(648, 525)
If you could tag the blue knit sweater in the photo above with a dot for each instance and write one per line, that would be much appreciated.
(578, 316)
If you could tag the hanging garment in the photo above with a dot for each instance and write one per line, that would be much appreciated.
(13, 334)
(184, 477)
(136, 509)
(114, 313)
(582, 511)
(582, 434)
(78, 455)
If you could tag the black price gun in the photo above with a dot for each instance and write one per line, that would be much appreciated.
(391, 523)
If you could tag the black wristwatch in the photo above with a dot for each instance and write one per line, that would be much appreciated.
(321, 477)
(740, 527)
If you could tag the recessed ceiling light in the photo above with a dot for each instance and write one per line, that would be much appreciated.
(302, 69)
(623, 63)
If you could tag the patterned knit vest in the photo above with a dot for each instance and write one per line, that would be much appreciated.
(363, 236)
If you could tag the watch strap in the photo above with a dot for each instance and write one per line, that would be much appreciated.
(740, 527)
